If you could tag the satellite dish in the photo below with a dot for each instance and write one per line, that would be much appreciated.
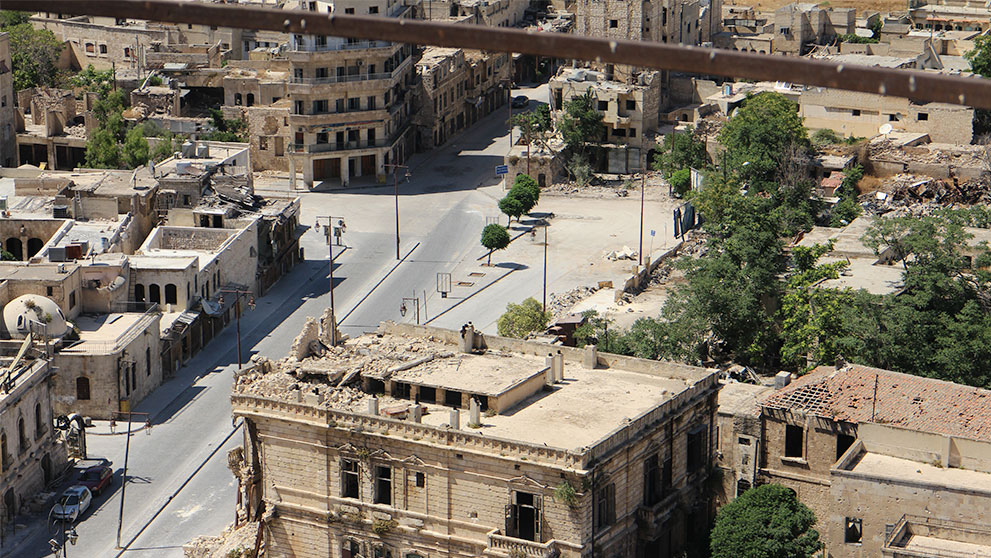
(885, 129)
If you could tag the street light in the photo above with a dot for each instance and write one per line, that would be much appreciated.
(68, 535)
(395, 186)
(335, 230)
(237, 312)
(127, 453)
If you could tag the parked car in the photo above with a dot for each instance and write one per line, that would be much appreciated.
(72, 503)
(520, 101)
(97, 478)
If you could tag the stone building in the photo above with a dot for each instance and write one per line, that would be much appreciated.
(31, 455)
(51, 128)
(797, 27)
(439, 96)
(891, 464)
(738, 438)
(418, 441)
(350, 103)
(8, 137)
(949, 15)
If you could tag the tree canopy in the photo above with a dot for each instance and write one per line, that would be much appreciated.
(34, 53)
(765, 522)
(494, 237)
(519, 320)
(681, 151)
(581, 124)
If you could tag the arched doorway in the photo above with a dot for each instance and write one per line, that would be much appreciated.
(9, 505)
(13, 245)
(154, 293)
(34, 246)
(46, 469)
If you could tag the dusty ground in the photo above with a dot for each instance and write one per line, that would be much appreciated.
(861, 5)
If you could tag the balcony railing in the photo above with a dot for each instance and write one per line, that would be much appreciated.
(519, 547)
(354, 77)
(343, 146)
(340, 46)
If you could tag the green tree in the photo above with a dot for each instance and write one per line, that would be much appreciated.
(980, 56)
(512, 206)
(581, 124)
(92, 80)
(580, 169)
(519, 320)
(759, 136)
(681, 181)
(34, 53)
(681, 151)
(135, 151)
(848, 208)
(765, 522)
(102, 150)
(10, 18)
(226, 129)
(824, 137)
(494, 237)
(526, 190)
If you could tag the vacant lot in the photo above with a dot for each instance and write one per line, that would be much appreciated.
(861, 5)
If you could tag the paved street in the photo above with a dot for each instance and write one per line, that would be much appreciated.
(180, 486)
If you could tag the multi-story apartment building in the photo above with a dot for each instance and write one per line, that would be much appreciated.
(891, 464)
(350, 108)
(31, 455)
(445, 444)
(439, 96)
(8, 135)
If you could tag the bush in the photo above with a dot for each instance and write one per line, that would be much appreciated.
(681, 181)
(523, 319)
(825, 136)
(580, 169)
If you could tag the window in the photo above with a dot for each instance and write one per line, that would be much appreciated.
(4, 460)
(350, 549)
(651, 481)
(82, 388)
(49, 291)
(854, 531)
(354, 103)
(742, 486)
(171, 294)
(843, 443)
(299, 107)
(855, 112)
(697, 450)
(3, 100)
(251, 99)
(320, 107)
(349, 10)
(523, 517)
(349, 478)
(22, 440)
(794, 441)
(371, 102)
(72, 300)
(605, 506)
(103, 49)
(383, 485)
(631, 105)
(263, 143)
(421, 480)
(922, 116)
(602, 105)
(371, 137)
(237, 99)
(619, 132)
(147, 361)
(39, 421)
(339, 105)
(90, 48)
(353, 135)
(613, 23)
(322, 137)
(633, 132)
(373, 10)
(322, 73)
(892, 118)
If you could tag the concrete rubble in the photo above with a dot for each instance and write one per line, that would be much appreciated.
(238, 542)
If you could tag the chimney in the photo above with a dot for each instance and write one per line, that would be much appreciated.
(782, 379)
(474, 412)
(559, 367)
(373, 406)
(416, 413)
(455, 419)
(467, 338)
(551, 373)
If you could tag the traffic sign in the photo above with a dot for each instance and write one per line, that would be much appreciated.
(652, 232)
(502, 169)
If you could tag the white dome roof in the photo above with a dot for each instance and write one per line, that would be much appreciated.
(18, 313)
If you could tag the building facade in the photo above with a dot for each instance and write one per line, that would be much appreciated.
(8, 135)
(428, 461)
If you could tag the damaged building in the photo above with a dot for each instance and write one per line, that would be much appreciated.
(418, 441)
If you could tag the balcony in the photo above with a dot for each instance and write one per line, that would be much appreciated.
(402, 67)
(345, 146)
(650, 518)
(502, 545)
(340, 46)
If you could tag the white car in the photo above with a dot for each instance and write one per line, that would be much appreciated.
(72, 503)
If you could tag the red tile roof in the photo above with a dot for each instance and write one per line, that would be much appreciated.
(903, 400)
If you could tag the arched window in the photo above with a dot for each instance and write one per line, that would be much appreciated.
(22, 440)
(82, 388)
(4, 460)
(34, 246)
(39, 421)
(171, 296)
(237, 99)
(154, 293)
(251, 99)
(148, 361)
(139, 292)
(13, 246)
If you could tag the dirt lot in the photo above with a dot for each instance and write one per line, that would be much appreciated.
(861, 5)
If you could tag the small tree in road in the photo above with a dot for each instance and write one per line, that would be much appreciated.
(521, 319)
(494, 237)
(512, 206)
(765, 522)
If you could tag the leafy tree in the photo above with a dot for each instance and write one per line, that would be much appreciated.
(7, 256)
(512, 206)
(681, 181)
(848, 208)
(154, 81)
(681, 151)
(759, 136)
(596, 331)
(580, 169)
(526, 190)
(980, 56)
(825, 136)
(534, 126)
(102, 150)
(34, 53)
(522, 319)
(581, 124)
(226, 129)
(876, 28)
(135, 150)
(765, 522)
(855, 38)
(93, 80)
(494, 237)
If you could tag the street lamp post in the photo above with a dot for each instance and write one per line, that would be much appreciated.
(544, 306)
(127, 453)
(643, 187)
(335, 231)
(237, 312)
(395, 187)
(69, 536)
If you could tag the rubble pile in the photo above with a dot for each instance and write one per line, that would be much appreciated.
(232, 542)
(972, 156)
(923, 195)
(561, 303)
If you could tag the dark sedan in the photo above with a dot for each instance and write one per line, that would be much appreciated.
(97, 478)
(520, 101)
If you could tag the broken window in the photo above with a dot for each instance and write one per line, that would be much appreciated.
(605, 506)
(400, 390)
(383, 485)
(349, 478)
(651, 481)
(452, 398)
(697, 451)
(855, 112)
(381, 551)
(854, 531)
(263, 143)
(742, 486)
(631, 104)
(922, 116)
(843, 443)
(794, 441)
(523, 517)
(666, 477)
(613, 23)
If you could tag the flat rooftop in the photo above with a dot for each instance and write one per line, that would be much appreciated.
(161, 261)
(863, 273)
(579, 411)
(738, 398)
(906, 470)
(10, 271)
(100, 333)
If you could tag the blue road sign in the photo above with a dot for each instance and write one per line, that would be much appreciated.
(652, 232)
(502, 169)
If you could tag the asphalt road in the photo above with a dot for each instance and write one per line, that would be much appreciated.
(179, 485)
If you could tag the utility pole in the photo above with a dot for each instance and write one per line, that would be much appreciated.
(127, 452)
(237, 312)
(643, 187)
(544, 305)
(395, 186)
(335, 232)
